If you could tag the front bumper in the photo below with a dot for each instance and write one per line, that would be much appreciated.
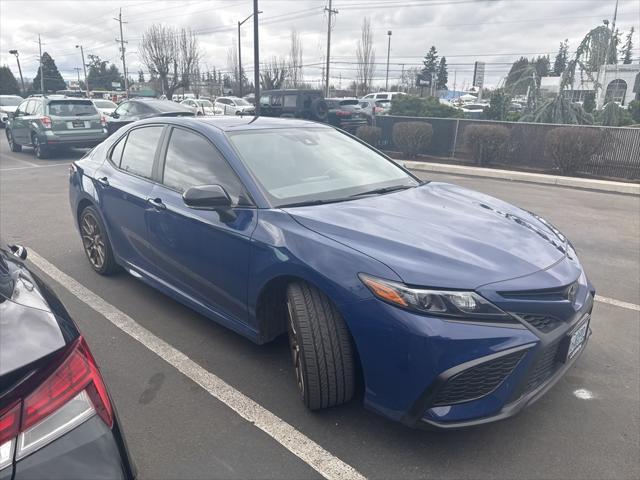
(407, 359)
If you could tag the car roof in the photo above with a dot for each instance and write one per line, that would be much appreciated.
(161, 106)
(228, 123)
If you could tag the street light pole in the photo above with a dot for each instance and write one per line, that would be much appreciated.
(256, 58)
(15, 52)
(386, 85)
(84, 66)
(240, 53)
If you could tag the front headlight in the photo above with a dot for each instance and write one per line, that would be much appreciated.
(445, 303)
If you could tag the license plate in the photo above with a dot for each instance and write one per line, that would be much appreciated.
(77, 124)
(577, 339)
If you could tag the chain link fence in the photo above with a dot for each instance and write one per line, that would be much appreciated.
(619, 157)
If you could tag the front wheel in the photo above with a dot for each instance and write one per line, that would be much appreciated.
(96, 243)
(320, 348)
(13, 146)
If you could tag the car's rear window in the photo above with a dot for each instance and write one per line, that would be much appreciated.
(104, 104)
(349, 102)
(68, 108)
(10, 101)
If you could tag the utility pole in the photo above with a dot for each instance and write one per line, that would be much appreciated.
(386, 84)
(41, 69)
(240, 77)
(331, 11)
(122, 50)
(15, 52)
(84, 67)
(256, 58)
(77, 69)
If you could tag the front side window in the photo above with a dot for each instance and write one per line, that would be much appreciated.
(297, 165)
(140, 150)
(192, 160)
(22, 108)
(123, 109)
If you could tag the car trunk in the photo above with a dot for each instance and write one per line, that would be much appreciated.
(74, 117)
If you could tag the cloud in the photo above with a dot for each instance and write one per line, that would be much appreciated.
(464, 31)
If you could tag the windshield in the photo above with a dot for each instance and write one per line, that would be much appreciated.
(70, 108)
(10, 101)
(300, 165)
(241, 102)
(204, 103)
(104, 104)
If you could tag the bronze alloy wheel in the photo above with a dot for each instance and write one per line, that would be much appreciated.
(93, 241)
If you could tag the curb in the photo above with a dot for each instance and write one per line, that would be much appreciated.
(541, 178)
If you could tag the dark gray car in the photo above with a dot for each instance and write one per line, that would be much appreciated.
(46, 123)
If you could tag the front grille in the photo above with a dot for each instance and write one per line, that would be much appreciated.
(547, 294)
(477, 381)
(544, 367)
(544, 323)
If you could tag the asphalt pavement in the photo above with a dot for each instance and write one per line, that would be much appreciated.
(587, 426)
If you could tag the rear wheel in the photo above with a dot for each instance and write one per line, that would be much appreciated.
(13, 146)
(96, 243)
(41, 150)
(320, 348)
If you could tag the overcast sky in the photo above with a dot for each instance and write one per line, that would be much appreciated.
(464, 31)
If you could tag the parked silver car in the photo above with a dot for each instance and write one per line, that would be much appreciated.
(234, 106)
(202, 106)
(8, 104)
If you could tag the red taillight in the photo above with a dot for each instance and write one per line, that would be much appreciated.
(9, 423)
(377, 109)
(46, 122)
(78, 372)
(343, 113)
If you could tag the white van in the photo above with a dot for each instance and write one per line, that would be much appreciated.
(382, 95)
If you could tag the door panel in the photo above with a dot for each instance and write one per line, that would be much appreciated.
(123, 193)
(195, 250)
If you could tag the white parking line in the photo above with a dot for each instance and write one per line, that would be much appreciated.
(618, 303)
(289, 437)
(33, 165)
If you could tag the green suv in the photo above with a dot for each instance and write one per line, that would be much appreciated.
(46, 123)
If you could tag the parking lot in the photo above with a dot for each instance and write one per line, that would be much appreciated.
(178, 424)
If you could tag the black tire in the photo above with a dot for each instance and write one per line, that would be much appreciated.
(320, 347)
(95, 242)
(319, 110)
(41, 151)
(13, 146)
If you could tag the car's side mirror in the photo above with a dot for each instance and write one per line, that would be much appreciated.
(210, 197)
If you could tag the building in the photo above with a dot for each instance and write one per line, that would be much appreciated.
(620, 83)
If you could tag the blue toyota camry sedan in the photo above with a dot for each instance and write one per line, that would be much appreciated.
(459, 309)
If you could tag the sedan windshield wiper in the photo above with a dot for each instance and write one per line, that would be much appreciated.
(377, 191)
(314, 202)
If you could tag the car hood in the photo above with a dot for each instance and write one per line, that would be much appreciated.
(440, 235)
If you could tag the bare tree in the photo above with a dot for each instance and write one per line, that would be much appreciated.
(274, 73)
(295, 60)
(366, 57)
(171, 54)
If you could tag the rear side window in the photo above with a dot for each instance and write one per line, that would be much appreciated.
(140, 150)
(66, 108)
(290, 101)
(116, 153)
(381, 96)
(192, 160)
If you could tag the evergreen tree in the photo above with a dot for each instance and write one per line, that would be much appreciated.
(627, 48)
(519, 70)
(52, 79)
(542, 65)
(430, 63)
(560, 63)
(8, 83)
(442, 75)
(498, 106)
(100, 77)
(140, 76)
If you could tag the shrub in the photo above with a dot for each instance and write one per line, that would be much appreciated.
(412, 137)
(410, 106)
(371, 135)
(488, 142)
(613, 115)
(634, 110)
(570, 148)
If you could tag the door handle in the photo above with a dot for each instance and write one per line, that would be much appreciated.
(104, 181)
(156, 203)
